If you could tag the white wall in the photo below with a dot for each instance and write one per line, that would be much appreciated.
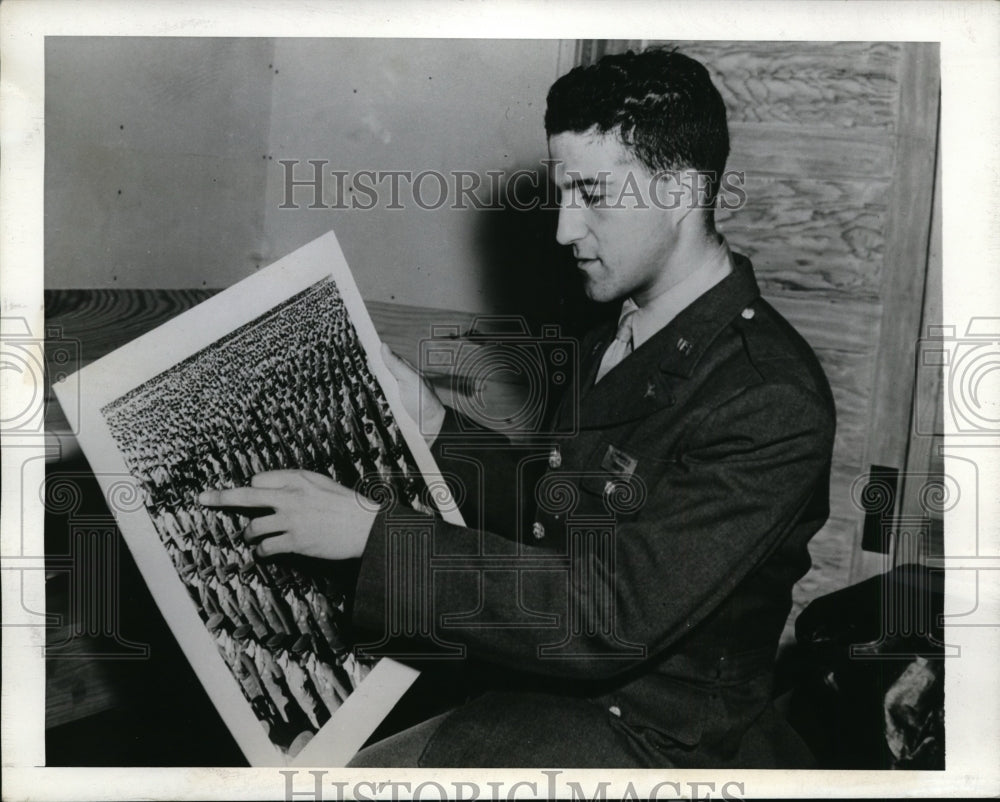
(405, 104)
(155, 164)
(191, 131)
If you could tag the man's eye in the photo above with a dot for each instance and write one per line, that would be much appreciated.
(591, 198)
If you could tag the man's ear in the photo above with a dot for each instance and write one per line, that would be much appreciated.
(694, 188)
(681, 191)
(669, 192)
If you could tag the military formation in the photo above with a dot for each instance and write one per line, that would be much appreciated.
(292, 389)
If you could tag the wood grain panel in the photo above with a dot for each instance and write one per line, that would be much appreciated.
(843, 504)
(828, 84)
(904, 277)
(809, 151)
(589, 51)
(927, 437)
(908, 230)
(850, 380)
(77, 684)
(102, 320)
(810, 235)
(847, 472)
(402, 326)
(830, 551)
(829, 321)
(97, 322)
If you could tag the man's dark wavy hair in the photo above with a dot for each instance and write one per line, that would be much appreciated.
(661, 104)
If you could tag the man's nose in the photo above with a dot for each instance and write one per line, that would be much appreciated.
(571, 227)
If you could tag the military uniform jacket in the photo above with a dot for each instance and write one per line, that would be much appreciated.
(641, 562)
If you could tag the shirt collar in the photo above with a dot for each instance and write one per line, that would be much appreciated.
(660, 311)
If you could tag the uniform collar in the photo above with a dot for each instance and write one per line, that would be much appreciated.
(640, 384)
(685, 339)
(660, 311)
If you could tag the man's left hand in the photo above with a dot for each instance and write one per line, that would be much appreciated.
(312, 514)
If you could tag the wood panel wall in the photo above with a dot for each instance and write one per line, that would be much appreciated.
(836, 140)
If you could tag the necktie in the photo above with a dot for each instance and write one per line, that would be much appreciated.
(620, 347)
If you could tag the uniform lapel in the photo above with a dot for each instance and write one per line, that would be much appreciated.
(592, 347)
(642, 383)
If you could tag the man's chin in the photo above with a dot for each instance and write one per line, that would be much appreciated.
(598, 294)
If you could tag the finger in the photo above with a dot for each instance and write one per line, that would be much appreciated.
(400, 368)
(241, 497)
(324, 482)
(273, 479)
(262, 527)
(276, 544)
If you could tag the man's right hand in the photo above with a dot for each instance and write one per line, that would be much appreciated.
(418, 397)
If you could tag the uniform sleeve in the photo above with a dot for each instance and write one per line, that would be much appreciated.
(708, 519)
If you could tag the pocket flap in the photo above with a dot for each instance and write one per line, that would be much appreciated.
(673, 709)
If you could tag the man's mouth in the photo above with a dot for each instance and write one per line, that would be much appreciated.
(583, 263)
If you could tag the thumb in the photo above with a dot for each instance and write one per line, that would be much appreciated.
(398, 367)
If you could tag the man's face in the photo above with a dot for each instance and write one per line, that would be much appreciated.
(622, 234)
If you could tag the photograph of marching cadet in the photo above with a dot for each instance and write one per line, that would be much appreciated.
(290, 390)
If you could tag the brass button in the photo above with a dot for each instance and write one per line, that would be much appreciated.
(615, 710)
(555, 457)
(537, 530)
(747, 314)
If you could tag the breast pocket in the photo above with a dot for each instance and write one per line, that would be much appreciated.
(620, 480)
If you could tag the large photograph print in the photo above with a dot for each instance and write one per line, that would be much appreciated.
(216, 396)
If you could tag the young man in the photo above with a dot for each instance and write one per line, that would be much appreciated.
(643, 566)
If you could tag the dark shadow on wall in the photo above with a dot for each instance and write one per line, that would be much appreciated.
(525, 272)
